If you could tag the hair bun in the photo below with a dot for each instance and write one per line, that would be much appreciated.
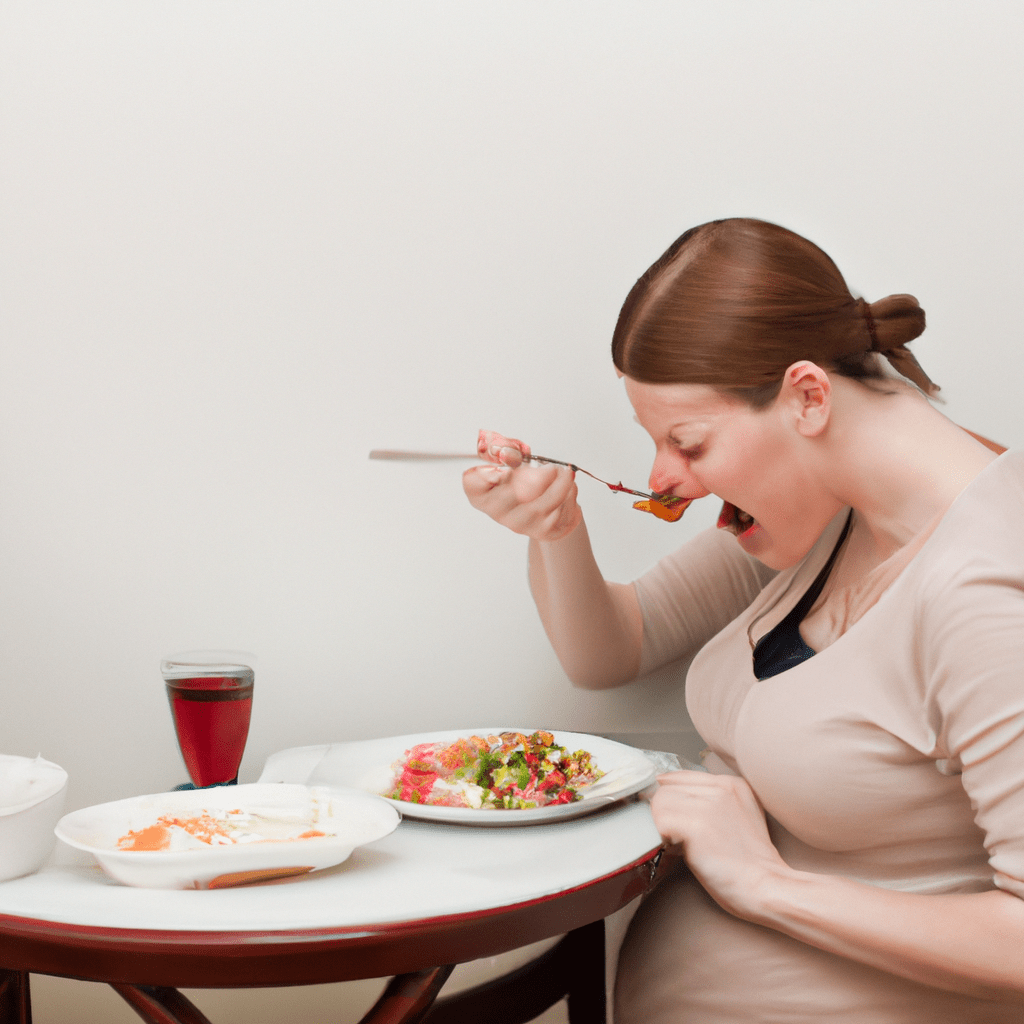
(897, 320)
(892, 322)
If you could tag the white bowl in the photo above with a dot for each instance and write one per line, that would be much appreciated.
(32, 794)
(350, 819)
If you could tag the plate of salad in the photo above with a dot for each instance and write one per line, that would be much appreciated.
(491, 776)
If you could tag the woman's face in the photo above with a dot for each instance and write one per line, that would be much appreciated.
(755, 460)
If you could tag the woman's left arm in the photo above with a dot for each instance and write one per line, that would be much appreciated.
(965, 942)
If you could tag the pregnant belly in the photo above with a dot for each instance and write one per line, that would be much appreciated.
(685, 961)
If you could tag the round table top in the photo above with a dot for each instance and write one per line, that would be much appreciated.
(424, 895)
(419, 871)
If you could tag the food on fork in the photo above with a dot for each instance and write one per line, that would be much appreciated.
(665, 506)
(511, 771)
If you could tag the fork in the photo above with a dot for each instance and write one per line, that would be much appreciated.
(400, 455)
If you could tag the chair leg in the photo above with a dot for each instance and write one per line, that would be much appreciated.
(15, 1003)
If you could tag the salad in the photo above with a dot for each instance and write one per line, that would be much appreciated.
(511, 771)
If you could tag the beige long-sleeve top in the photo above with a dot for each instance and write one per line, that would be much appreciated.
(895, 756)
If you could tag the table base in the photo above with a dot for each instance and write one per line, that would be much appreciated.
(405, 1000)
(572, 970)
(15, 1005)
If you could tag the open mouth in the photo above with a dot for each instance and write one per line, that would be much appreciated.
(734, 519)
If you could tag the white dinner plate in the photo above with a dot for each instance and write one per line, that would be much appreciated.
(350, 818)
(368, 765)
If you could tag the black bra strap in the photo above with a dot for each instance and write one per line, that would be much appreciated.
(782, 647)
(806, 603)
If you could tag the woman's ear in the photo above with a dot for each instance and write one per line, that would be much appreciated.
(806, 397)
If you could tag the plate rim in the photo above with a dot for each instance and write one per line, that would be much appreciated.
(158, 856)
(502, 817)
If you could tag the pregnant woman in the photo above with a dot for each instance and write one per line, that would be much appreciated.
(855, 851)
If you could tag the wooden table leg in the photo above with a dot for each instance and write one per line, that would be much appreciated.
(586, 974)
(157, 1004)
(572, 970)
(15, 1004)
(408, 997)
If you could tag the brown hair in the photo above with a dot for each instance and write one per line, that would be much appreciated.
(733, 303)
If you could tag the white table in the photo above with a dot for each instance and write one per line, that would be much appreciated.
(423, 898)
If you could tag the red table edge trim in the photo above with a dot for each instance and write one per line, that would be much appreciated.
(25, 927)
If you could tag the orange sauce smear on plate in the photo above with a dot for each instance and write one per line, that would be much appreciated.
(202, 827)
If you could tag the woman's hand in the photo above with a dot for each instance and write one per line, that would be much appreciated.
(537, 501)
(594, 626)
(720, 826)
(967, 942)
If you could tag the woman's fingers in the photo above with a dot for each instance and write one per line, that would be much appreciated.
(547, 486)
(539, 502)
(698, 780)
(697, 807)
(501, 487)
(511, 457)
(706, 787)
(721, 828)
(480, 480)
(490, 445)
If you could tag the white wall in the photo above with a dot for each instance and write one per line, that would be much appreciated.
(245, 242)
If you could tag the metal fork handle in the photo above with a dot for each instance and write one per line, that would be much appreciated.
(403, 455)
(576, 469)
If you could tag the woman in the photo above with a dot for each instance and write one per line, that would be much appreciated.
(855, 851)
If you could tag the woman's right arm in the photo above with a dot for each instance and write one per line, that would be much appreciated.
(594, 626)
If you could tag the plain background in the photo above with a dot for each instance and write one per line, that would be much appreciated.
(245, 242)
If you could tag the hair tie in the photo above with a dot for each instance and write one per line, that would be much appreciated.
(865, 309)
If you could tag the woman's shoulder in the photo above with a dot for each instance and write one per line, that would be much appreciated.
(988, 511)
(1004, 469)
(981, 536)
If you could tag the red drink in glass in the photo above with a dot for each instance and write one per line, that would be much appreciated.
(211, 705)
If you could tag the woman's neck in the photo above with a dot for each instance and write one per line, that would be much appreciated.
(897, 461)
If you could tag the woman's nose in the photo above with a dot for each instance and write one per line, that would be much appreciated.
(672, 475)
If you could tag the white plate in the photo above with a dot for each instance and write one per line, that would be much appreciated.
(353, 817)
(367, 765)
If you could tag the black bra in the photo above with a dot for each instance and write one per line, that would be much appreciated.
(783, 647)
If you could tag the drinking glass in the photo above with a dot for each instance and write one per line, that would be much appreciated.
(210, 693)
